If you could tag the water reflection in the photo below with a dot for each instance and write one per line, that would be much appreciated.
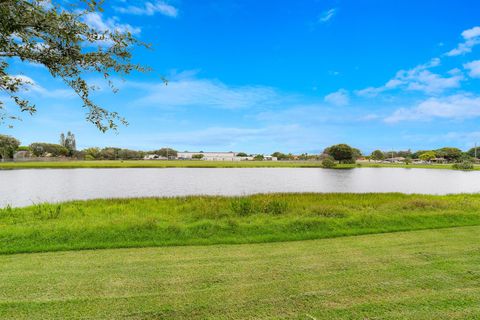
(25, 187)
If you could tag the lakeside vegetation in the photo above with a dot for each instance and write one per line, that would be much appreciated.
(206, 220)
(339, 155)
(423, 275)
(210, 164)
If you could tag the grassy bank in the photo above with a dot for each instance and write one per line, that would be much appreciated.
(430, 274)
(215, 220)
(204, 164)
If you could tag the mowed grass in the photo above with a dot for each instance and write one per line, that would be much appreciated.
(204, 220)
(204, 164)
(422, 275)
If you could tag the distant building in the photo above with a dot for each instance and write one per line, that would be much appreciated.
(270, 158)
(154, 157)
(211, 156)
(21, 155)
(395, 159)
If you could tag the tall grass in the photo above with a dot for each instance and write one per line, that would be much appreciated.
(203, 220)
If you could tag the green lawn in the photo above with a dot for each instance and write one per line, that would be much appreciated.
(201, 164)
(224, 220)
(430, 274)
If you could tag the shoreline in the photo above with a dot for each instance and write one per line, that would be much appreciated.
(140, 164)
(207, 220)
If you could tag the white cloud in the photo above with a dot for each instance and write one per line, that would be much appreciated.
(149, 9)
(474, 68)
(369, 117)
(315, 115)
(31, 86)
(471, 33)
(370, 91)
(27, 81)
(471, 38)
(422, 79)
(207, 93)
(338, 98)
(327, 15)
(418, 79)
(213, 136)
(95, 20)
(291, 137)
(459, 106)
(429, 82)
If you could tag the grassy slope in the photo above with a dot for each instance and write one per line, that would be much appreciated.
(199, 164)
(430, 274)
(214, 220)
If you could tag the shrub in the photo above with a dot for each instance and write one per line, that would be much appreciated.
(47, 212)
(275, 207)
(40, 149)
(349, 161)
(94, 153)
(423, 204)
(328, 211)
(328, 163)
(464, 165)
(89, 157)
(259, 157)
(280, 155)
(242, 206)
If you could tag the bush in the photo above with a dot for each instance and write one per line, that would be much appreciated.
(280, 155)
(40, 149)
(464, 165)
(275, 207)
(259, 157)
(328, 163)
(348, 161)
(242, 206)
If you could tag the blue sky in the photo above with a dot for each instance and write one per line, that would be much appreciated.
(261, 76)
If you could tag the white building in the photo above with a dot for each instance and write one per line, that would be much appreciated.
(154, 157)
(211, 156)
(270, 158)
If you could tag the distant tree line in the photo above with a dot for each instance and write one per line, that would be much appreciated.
(446, 154)
(338, 153)
(67, 148)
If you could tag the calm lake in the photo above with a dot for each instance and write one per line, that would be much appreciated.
(27, 187)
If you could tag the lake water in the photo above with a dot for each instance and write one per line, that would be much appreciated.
(26, 187)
